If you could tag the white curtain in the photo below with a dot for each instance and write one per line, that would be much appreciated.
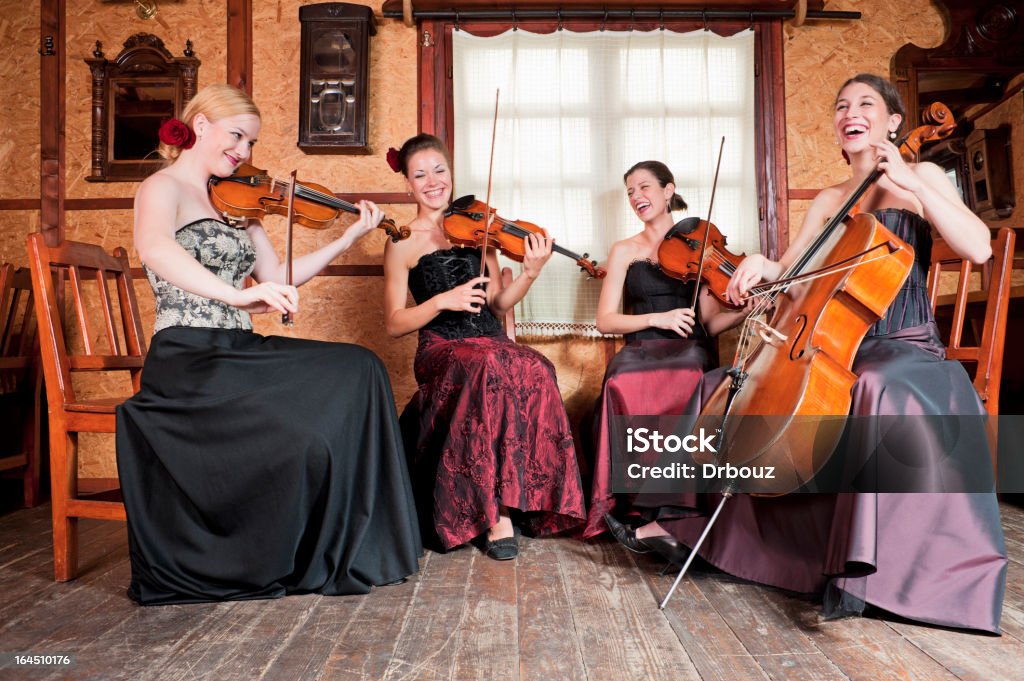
(576, 111)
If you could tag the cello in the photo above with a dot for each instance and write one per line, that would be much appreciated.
(784, 401)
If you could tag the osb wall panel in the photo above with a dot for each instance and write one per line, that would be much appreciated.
(19, 91)
(392, 105)
(202, 21)
(14, 226)
(348, 309)
(820, 56)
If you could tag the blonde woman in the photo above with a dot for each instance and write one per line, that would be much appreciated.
(251, 466)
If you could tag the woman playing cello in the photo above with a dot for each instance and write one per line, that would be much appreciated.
(492, 441)
(933, 557)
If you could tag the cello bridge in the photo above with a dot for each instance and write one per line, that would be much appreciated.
(768, 334)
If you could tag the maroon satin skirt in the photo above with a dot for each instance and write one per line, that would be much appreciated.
(490, 430)
(645, 378)
(933, 557)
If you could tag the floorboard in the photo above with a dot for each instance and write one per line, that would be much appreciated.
(563, 610)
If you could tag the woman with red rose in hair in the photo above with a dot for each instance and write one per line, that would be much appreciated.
(492, 445)
(251, 466)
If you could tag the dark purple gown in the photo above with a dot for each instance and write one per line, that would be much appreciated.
(651, 357)
(933, 557)
(488, 426)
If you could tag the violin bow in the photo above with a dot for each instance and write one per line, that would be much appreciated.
(490, 176)
(707, 230)
(286, 318)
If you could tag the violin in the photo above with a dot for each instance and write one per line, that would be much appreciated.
(465, 224)
(680, 256)
(251, 193)
(792, 375)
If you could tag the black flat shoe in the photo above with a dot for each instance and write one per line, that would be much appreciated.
(668, 548)
(400, 580)
(505, 548)
(625, 535)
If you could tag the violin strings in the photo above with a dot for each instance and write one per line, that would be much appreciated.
(308, 193)
(515, 230)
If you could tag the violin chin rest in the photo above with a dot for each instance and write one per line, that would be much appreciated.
(464, 202)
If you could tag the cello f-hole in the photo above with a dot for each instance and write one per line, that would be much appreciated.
(794, 354)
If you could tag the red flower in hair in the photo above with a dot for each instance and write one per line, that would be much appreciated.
(393, 160)
(176, 134)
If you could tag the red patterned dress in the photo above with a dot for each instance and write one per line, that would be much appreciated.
(487, 427)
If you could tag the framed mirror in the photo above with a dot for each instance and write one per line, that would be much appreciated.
(131, 96)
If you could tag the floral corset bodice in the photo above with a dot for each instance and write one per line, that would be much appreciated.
(441, 271)
(224, 250)
(647, 290)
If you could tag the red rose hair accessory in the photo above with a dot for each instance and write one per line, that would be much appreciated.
(393, 160)
(176, 134)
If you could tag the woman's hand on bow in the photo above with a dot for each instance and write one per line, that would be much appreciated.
(680, 320)
(267, 296)
(465, 297)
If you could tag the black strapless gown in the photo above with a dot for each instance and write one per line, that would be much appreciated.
(252, 466)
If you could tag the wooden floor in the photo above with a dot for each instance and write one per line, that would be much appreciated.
(563, 610)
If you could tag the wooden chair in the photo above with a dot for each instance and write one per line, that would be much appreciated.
(109, 341)
(20, 381)
(987, 331)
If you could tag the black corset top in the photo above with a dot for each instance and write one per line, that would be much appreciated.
(647, 290)
(911, 306)
(441, 271)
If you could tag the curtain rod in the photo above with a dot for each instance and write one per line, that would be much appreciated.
(706, 15)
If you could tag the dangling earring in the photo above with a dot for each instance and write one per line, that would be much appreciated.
(892, 135)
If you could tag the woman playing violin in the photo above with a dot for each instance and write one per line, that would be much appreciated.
(667, 343)
(251, 466)
(933, 557)
(492, 443)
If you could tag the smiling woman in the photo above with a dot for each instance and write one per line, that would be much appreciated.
(231, 427)
(491, 444)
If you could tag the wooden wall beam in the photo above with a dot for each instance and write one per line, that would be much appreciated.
(52, 67)
(239, 36)
(773, 209)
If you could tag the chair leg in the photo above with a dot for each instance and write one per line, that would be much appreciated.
(30, 445)
(63, 488)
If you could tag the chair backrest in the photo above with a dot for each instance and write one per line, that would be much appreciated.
(62, 278)
(986, 355)
(17, 327)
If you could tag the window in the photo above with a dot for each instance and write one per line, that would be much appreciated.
(694, 105)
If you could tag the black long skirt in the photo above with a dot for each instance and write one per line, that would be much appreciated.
(254, 467)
